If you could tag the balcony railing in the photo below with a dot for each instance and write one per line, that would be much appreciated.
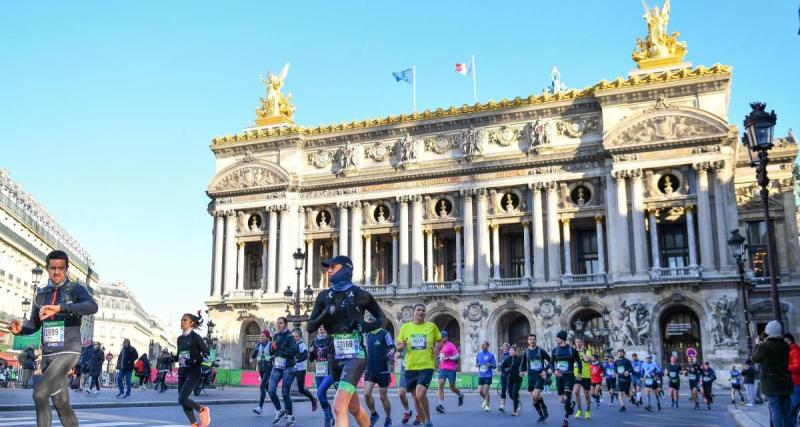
(675, 273)
(510, 283)
(381, 290)
(244, 294)
(429, 288)
(583, 279)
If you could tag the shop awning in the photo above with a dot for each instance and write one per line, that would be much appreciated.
(10, 358)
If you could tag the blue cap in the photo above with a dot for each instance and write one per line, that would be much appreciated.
(339, 259)
(444, 334)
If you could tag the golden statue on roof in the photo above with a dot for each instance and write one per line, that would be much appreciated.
(276, 108)
(658, 49)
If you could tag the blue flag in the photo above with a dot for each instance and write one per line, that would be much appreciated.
(406, 75)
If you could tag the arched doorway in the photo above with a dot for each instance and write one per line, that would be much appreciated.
(514, 329)
(680, 330)
(251, 334)
(446, 322)
(588, 324)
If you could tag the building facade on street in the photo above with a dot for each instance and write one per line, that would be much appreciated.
(27, 234)
(604, 211)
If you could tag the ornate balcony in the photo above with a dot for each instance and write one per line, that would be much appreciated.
(440, 288)
(244, 294)
(512, 284)
(675, 274)
(583, 279)
(388, 290)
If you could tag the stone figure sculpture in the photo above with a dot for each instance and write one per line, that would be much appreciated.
(724, 329)
(471, 142)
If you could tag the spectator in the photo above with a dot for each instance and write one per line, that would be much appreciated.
(125, 361)
(95, 368)
(143, 371)
(748, 380)
(28, 362)
(85, 362)
(776, 382)
(794, 370)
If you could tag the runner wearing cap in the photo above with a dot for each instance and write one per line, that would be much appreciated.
(486, 362)
(650, 371)
(448, 361)
(262, 356)
(565, 359)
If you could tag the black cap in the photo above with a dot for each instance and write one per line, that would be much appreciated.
(562, 335)
(339, 259)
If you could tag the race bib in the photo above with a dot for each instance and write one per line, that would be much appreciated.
(346, 345)
(535, 365)
(636, 369)
(182, 358)
(53, 334)
(484, 368)
(562, 365)
(321, 369)
(621, 369)
(648, 381)
(692, 377)
(279, 363)
(734, 381)
(706, 379)
(419, 342)
(673, 374)
(609, 372)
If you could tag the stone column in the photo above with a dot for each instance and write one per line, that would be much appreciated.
(301, 240)
(691, 240)
(272, 251)
(310, 263)
(428, 255)
(495, 251)
(264, 263)
(403, 270)
(417, 248)
(239, 266)
(601, 244)
(219, 239)
(357, 250)
(335, 239)
(567, 242)
(639, 232)
(704, 217)
(469, 235)
(553, 235)
(229, 283)
(723, 230)
(621, 224)
(787, 187)
(344, 249)
(482, 228)
(526, 242)
(368, 259)
(538, 233)
(458, 253)
(654, 246)
(286, 247)
(394, 257)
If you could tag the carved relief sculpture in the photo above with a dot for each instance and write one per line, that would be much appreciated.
(472, 143)
(633, 324)
(724, 329)
(440, 144)
(505, 136)
(408, 151)
(247, 177)
(378, 151)
(540, 134)
(320, 159)
(578, 127)
(348, 159)
(475, 313)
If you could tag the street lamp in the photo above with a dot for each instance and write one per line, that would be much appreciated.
(26, 304)
(579, 328)
(607, 332)
(209, 333)
(759, 128)
(738, 246)
(36, 275)
(292, 299)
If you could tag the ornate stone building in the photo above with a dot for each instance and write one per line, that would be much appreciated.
(604, 211)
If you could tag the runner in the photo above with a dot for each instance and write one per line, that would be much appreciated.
(610, 374)
(596, 377)
(380, 350)
(535, 363)
(261, 354)
(57, 310)
(565, 359)
(301, 366)
(485, 361)
(624, 371)
(736, 387)
(503, 378)
(708, 376)
(340, 309)
(421, 340)
(191, 351)
(511, 367)
(322, 377)
(674, 375)
(448, 358)
(583, 379)
(284, 354)
(636, 379)
(693, 373)
(650, 371)
(401, 387)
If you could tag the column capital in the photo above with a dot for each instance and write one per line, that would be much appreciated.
(551, 186)
(355, 204)
(334, 236)
(468, 193)
(619, 175)
(635, 174)
(416, 199)
(481, 193)
(264, 240)
(403, 199)
(309, 209)
(240, 244)
(394, 234)
(652, 211)
(525, 224)
(565, 220)
(457, 229)
(367, 235)
(689, 208)
(494, 226)
(701, 167)
(343, 205)
(599, 218)
(310, 240)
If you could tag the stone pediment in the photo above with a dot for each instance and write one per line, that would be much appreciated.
(665, 124)
(249, 175)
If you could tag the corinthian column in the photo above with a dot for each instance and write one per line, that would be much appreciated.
(417, 248)
(553, 235)
(495, 250)
(601, 244)
(240, 266)
(394, 257)
(482, 239)
(469, 235)
(538, 233)
(230, 252)
(264, 263)
(310, 264)
(655, 247)
(526, 250)
(287, 246)
(639, 232)
(272, 251)
(620, 235)
(691, 240)
(219, 235)
(357, 252)
(343, 232)
(704, 216)
(368, 259)
(403, 270)
(458, 253)
(428, 255)
(723, 231)
(567, 246)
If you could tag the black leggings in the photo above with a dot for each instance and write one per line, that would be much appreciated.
(186, 384)
(95, 382)
(513, 393)
(300, 376)
(263, 386)
(53, 386)
(503, 386)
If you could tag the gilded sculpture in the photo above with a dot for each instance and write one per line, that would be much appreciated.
(658, 49)
(276, 108)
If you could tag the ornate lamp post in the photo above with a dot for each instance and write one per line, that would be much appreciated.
(738, 246)
(210, 333)
(579, 328)
(292, 299)
(607, 331)
(26, 304)
(36, 276)
(759, 127)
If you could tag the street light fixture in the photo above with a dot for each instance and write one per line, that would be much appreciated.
(210, 333)
(36, 275)
(606, 331)
(292, 299)
(738, 247)
(759, 130)
(26, 304)
(579, 327)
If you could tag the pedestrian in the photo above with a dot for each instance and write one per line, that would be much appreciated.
(380, 351)
(794, 370)
(511, 366)
(535, 364)
(301, 367)
(596, 377)
(85, 363)
(693, 372)
(448, 362)
(164, 365)
(636, 379)
(583, 379)
(142, 367)
(285, 353)
(565, 361)
(503, 379)
(776, 381)
(486, 362)
(674, 376)
(192, 350)
(319, 354)
(125, 364)
(748, 381)
(649, 372)
(28, 365)
(57, 310)
(95, 368)
(262, 355)
(421, 340)
(610, 374)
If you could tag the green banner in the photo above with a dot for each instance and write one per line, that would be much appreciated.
(22, 341)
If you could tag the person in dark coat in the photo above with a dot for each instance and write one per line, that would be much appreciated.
(95, 368)
(776, 381)
(28, 365)
(164, 365)
(85, 362)
(125, 361)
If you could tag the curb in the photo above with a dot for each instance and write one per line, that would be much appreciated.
(742, 419)
(107, 405)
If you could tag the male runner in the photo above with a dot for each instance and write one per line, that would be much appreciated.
(486, 362)
(420, 340)
(448, 361)
(322, 377)
(380, 349)
(340, 309)
(535, 362)
(57, 310)
(596, 374)
(693, 373)
(583, 379)
(650, 371)
(736, 385)
(636, 379)
(674, 378)
(708, 376)
(624, 372)
(565, 359)
(610, 374)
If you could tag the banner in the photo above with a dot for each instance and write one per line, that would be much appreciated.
(22, 341)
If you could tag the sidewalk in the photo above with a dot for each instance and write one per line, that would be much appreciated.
(750, 416)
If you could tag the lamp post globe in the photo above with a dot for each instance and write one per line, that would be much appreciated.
(36, 275)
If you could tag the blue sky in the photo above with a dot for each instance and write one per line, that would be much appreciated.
(107, 108)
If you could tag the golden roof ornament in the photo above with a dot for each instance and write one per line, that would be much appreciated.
(276, 108)
(658, 49)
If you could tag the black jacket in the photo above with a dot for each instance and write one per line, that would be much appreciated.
(191, 351)
(28, 359)
(165, 362)
(96, 363)
(86, 358)
(284, 345)
(75, 303)
(510, 368)
(131, 355)
(773, 354)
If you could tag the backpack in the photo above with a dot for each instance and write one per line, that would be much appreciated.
(139, 366)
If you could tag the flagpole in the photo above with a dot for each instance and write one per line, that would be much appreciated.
(414, 88)
(474, 81)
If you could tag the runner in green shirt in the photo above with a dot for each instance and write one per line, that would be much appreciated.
(421, 341)
(583, 379)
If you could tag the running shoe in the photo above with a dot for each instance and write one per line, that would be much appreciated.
(127, 396)
(502, 408)
(373, 419)
(429, 424)
(586, 415)
(119, 396)
(440, 408)
(578, 414)
(313, 404)
(388, 422)
(658, 404)
(278, 416)
(622, 409)
(417, 420)
(648, 408)
(565, 423)
(541, 419)
(205, 416)
(290, 422)
(257, 410)
(461, 399)
(406, 416)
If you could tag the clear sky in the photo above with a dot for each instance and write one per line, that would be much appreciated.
(107, 109)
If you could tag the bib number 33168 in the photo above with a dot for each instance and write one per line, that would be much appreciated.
(345, 346)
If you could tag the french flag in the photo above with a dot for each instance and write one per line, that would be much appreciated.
(462, 68)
